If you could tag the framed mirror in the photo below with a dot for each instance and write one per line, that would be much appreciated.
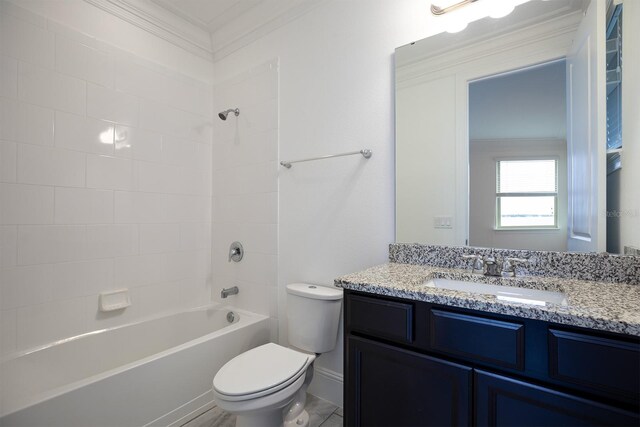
(509, 135)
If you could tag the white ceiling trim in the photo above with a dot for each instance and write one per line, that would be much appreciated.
(161, 23)
(256, 23)
(175, 28)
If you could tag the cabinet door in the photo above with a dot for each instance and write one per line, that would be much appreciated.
(389, 386)
(502, 401)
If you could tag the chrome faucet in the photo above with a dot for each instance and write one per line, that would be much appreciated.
(491, 267)
(225, 292)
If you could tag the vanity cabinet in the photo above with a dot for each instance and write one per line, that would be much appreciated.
(412, 363)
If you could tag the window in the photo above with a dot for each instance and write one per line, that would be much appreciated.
(527, 193)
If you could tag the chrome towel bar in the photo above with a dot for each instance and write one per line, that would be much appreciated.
(366, 153)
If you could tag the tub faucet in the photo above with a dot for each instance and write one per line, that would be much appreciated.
(225, 292)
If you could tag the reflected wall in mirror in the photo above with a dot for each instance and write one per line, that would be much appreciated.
(502, 133)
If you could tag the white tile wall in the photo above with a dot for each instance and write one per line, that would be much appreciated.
(26, 123)
(245, 188)
(105, 182)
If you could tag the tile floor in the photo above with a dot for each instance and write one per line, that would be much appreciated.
(321, 414)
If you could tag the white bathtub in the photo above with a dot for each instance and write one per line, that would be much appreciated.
(155, 372)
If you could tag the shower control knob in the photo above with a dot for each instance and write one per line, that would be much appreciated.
(236, 252)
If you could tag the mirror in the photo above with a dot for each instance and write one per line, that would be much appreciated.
(506, 135)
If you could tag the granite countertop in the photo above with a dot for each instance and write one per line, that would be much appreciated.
(603, 306)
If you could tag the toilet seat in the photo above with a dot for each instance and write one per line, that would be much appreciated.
(260, 371)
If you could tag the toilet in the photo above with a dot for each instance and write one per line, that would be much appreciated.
(267, 385)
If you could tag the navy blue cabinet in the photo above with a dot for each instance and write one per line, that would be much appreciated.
(506, 402)
(396, 387)
(411, 363)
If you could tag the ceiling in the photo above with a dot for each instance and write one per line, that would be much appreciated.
(226, 24)
(210, 15)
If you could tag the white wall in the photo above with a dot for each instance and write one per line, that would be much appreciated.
(336, 94)
(105, 182)
(630, 172)
(245, 189)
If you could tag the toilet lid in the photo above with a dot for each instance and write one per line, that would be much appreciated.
(259, 369)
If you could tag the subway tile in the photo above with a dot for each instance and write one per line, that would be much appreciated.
(251, 208)
(135, 207)
(44, 323)
(195, 235)
(259, 268)
(249, 148)
(50, 166)
(48, 88)
(188, 208)
(8, 246)
(26, 123)
(26, 204)
(26, 42)
(135, 271)
(38, 284)
(155, 238)
(174, 122)
(158, 298)
(83, 134)
(83, 206)
(7, 332)
(111, 173)
(8, 161)
(107, 104)
(246, 179)
(190, 95)
(158, 178)
(112, 240)
(41, 244)
(25, 286)
(180, 152)
(138, 144)
(84, 62)
(8, 77)
(138, 80)
(194, 292)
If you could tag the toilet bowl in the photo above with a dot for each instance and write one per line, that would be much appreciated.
(267, 385)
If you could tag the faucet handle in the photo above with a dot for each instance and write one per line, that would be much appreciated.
(509, 266)
(478, 262)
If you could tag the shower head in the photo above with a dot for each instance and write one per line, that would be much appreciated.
(223, 115)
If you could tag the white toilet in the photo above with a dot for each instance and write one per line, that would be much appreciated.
(267, 385)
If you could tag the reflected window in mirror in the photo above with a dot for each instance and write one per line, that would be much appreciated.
(526, 194)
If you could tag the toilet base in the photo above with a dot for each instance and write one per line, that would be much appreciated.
(302, 420)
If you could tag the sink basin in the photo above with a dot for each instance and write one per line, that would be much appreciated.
(502, 293)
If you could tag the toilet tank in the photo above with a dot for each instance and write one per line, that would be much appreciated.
(313, 316)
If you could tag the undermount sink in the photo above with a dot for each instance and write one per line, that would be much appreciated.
(502, 293)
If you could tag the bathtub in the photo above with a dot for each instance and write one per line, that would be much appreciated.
(155, 372)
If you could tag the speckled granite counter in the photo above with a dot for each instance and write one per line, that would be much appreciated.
(612, 307)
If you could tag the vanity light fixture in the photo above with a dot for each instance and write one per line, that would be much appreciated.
(459, 21)
(444, 8)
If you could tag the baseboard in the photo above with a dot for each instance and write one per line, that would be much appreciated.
(327, 385)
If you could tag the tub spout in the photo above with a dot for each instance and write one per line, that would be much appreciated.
(229, 291)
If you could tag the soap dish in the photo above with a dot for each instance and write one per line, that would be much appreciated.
(114, 300)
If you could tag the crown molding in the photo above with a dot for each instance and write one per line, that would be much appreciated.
(258, 22)
(171, 25)
(161, 23)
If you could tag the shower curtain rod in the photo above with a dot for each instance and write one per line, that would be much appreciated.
(366, 153)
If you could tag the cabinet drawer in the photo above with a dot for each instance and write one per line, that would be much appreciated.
(381, 318)
(478, 338)
(595, 362)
